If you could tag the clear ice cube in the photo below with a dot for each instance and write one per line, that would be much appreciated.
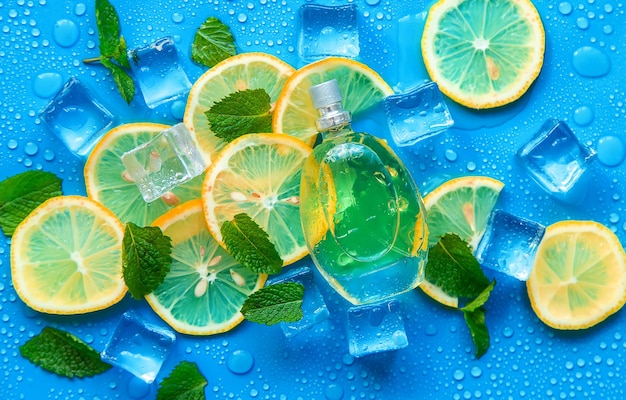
(314, 308)
(138, 346)
(375, 328)
(77, 118)
(328, 31)
(170, 159)
(509, 244)
(417, 114)
(557, 161)
(158, 72)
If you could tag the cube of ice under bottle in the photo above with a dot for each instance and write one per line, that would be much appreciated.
(168, 160)
(558, 162)
(375, 328)
(77, 118)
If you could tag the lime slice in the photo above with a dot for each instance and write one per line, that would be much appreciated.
(107, 183)
(66, 257)
(483, 54)
(361, 87)
(259, 174)
(241, 72)
(579, 275)
(205, 288)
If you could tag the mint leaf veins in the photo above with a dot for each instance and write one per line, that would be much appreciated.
(64, 354)
(250, 245)
(113, 51)
(146, 258)
(185, 382)
(474, 315)
(212, 43)
(240, 113)
(280, 302)
(22, 193)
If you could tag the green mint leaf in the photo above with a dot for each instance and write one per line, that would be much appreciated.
(281, 302)
(475, 320)
(250, 245)
(212, 43)
(481, 299)
(108, 25)
(22, 193)
(62, 353)
(121, 54)
(146, 258)
(124, 82)
(239, 113)
(452, 266)
(185, 382)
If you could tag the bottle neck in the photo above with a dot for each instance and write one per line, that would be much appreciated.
(337, 131)
(334, 121)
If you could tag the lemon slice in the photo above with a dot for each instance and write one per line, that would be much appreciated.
(361, 87)
(461, 206)
(107, 183)
(237, 73)
(483, 54)
(579, 275)
(259, 174)
(205, 288)
(66, 257)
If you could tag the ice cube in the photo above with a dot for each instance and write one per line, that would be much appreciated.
(375, 328)
(158, 72)
(509, 244)
(417, 114)
(77, 118)
(138, 346)
(328, 31)
(168, 160)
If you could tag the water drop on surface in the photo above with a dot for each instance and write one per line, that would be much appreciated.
(565, 8)
(177, 18)
(47, 84)
(583, 116)
(333, 392)
(591, 62)
(65, 33)
(459, 375)
(582, 23)
(451, 155)
(12, 144)
(80, 9)
(31, 148)
(240, 362)
(372, 2)
(611, 150)
(137, 388)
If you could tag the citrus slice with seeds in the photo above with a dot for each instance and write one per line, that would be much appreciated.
(361, 87)
(259, 174)
(205, 287)
(66, 257)
(107, 182)
(461, 206)
(579, 275)
(483, 54)
(237, 73)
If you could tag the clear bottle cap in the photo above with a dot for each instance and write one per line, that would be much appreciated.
(327, 99)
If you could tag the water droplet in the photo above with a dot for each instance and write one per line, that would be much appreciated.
(582, 23)
(65, 33)
(137, 389)
(47, 84)
(80, 9)
(451, 155)
(31, 148)
(242, 18)
(471, 166)
(48, 155)
(507, 332)
(476, 372)
(177, 109)
(12, 144)
(177, 18)
(240, 362)
(431, 330)
(591, 62)
(611, 150)
(348, 359)
(583, 116)
(333, 392)
(459, 375)
(607, 29)
(565, 8)
(372, 2)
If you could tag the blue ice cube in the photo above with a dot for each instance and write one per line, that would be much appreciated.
(509, 244)
(138, 346)
(328, 31)
(159, 73)
(557, 161)
(417, 114)
(314, 308)
(168, 160)
(375, 328)
(76, 117)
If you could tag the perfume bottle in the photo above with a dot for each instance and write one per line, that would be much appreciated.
(362, 215)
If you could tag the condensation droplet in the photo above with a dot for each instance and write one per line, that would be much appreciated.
(591, 62)
(65, 32)
(611, 150)
(583, 115)
(451, 155)
(565, 8)
(12, 144)
(240, 362)
(177, 18)
(31, 148)
(47, 84)
(80, 9)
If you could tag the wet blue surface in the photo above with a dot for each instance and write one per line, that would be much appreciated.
(582, 82)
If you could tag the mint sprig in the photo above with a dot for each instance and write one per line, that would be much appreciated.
(250, 245)
(474, 314)
(185, 382)
(212, 43)
(280, 302)
(64, 354)
(113, 51)
(22, 193)
(240, 113)
(146, 258)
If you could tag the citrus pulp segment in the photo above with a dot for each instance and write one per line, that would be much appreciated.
(205, 288)
(483, 54)
(237, 73)
(259, 174)
(361, 88)
(66, 257)
(461, 206)
(579, 275)
(107, 182)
